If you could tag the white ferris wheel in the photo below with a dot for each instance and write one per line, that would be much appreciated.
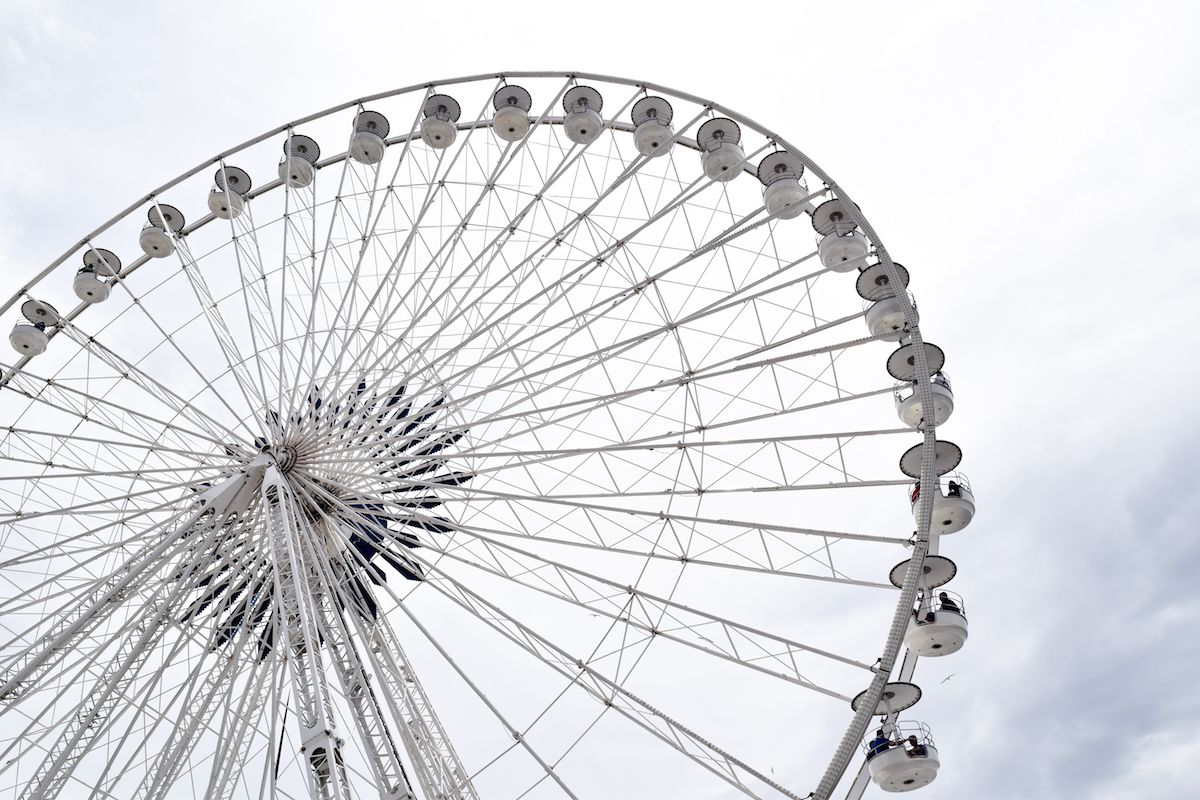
(513, 436)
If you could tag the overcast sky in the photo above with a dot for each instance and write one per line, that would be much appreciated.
(1035, 164)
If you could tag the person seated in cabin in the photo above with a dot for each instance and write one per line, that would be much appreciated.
(953, 489)
(878, 745)
(916, 749)
(923, 613)
(948, 604)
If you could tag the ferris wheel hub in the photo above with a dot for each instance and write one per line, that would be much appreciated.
(285, 457)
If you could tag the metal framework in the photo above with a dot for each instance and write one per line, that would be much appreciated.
(570, 431)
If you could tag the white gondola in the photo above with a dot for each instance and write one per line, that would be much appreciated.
(910, 408)
(721, 155)
(29, 339)
(511, 120)
(785, 194)
(844, 252)
(368, 142)
(953, 504)
(582, 122)
(156, 238)
(155, 242)
(89, 287)
(652, 125)
(938, 625)
(298, 166)
(93, 282)
(908, 760)
(228, 197)
(840, 245)
(885, 318)
(439, 128)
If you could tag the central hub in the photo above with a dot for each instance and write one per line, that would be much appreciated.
(366, 474)
(285, 457)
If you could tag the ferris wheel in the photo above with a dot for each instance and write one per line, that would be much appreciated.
(509, 436)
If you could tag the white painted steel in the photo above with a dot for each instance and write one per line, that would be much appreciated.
(601, 354)
(300, 635)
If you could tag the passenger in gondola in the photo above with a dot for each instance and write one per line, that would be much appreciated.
(923, 613)
(947, 604)
(878, 745)
(916, 749)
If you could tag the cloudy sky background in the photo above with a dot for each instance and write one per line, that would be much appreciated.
(1035, 164)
